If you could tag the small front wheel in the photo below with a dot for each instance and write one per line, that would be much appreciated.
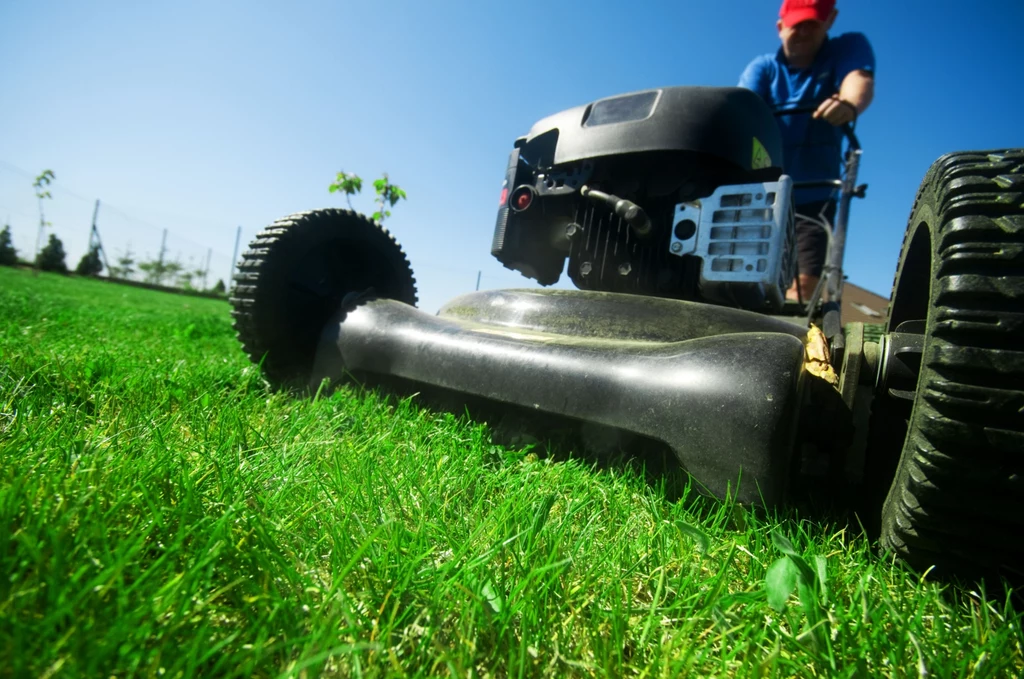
(295, 276)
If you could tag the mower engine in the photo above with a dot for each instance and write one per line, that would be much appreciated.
(675, 192)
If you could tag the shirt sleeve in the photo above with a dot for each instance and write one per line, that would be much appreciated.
(855, 55)
(757, 77)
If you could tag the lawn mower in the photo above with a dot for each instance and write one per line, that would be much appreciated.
(670, 212)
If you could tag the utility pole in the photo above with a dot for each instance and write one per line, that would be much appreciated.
(234, 257)
(478, 280)
(160, 260)
(163, 248)
(206, 269)
(94, 237)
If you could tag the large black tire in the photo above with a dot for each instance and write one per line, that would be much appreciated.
(957, 499)
(294, 278)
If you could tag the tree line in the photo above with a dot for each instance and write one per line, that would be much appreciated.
(53, 258)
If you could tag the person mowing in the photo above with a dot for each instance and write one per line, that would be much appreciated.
(836, 75)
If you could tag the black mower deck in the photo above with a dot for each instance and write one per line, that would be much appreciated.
(719, 386)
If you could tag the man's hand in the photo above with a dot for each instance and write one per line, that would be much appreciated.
(855, 95)
(836, 111)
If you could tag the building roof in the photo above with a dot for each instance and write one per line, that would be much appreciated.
(864, 306)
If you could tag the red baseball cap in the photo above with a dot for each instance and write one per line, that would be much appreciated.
(795, 11)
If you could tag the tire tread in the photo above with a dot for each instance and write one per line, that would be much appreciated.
(255, 293)
(958, 498)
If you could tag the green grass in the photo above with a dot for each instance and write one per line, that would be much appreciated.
(163, 514)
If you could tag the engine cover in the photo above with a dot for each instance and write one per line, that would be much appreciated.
(722, 122)
(606, 185)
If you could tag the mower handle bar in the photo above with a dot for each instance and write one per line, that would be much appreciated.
(845, 128)
(819, 184)
(832, 275)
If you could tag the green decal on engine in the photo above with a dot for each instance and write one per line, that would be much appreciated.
(760, 159)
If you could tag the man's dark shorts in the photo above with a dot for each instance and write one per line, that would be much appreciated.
(811, 239)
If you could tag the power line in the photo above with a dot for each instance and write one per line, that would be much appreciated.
(10, 211)
(108, 207)
(171, 216)
(17, 170)
(141, 222)
(55, 184)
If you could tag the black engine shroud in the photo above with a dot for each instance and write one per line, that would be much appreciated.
(655, 149)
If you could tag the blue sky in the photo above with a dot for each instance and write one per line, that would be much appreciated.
(199, 117)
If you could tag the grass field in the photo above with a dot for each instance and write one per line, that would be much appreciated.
(163, 514)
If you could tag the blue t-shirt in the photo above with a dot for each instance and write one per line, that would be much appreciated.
(812, 148)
